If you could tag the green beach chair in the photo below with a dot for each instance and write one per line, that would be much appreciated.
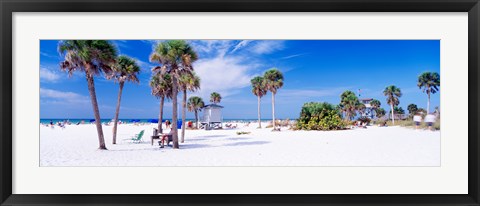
(138, 137)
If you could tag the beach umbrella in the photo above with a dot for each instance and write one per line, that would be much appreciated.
(153, 121)
(92, 120)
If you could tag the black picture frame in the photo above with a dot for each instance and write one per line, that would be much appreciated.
(7, 7)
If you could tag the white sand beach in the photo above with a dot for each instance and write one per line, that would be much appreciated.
(76, 145)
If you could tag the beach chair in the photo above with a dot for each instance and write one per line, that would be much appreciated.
(169, 139)
(138, 137)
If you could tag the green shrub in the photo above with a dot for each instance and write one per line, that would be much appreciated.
(320, 116)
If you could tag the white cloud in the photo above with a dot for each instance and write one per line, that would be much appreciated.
(241, 44)
(292, 56)
(224, 75)
(267, 47)
(310, 93)
(48, 75)
(49, 55)
(209, 48)
(145, 66)
(56, 96)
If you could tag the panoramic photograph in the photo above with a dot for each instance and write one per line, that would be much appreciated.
(154, 103)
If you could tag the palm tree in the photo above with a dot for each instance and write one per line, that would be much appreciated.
(188, 81)
(195, 104)
(392, 93)
(215, 97)
(273, 81)
(349, 104)
(375, 104)
(412, 109)
(361, 108)
(161, 88)
(380, 112)
(429, 81)
(398, 110)
(92, 57)
(126, 69)
(259, 90)
(175, 57)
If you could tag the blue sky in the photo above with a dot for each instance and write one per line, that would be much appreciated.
(314, 70)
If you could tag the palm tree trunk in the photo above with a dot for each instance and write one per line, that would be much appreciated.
(428, 103)
(160, 116)
(184, 111)
(259, 118)
(117, 112)
(393, 116)
(196, 119)
(96, 112)
(273, 109)
(175, 112)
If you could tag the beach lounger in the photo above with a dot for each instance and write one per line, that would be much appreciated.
(138, 137)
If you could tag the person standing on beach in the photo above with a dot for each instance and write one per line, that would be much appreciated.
(417, 119)
(430, 119)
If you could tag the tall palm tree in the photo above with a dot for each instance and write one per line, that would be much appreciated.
(273, 81)
(125, 70)
(349, 104)
(174, 57)
(259, 90)
(393, 94)
(161, 85)
(188, 81)
(429, 81)
(92, 57)
(215, 98)
(195, 104)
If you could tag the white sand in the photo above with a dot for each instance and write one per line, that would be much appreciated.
(76, 145)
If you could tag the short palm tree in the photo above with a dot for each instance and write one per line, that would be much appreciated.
(195, 104)
(361, 108)
(273, 82)
(412, 109)
(215, 98)
(125, 70)
(375, 104)
(429, 82)
(188, 81)
(174, 57)
(349, 104)
(259, 90)
(393, 94)
(380, 112)
(161, 85)
(92, 57)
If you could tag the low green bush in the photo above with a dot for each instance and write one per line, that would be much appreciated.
(320, 116)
